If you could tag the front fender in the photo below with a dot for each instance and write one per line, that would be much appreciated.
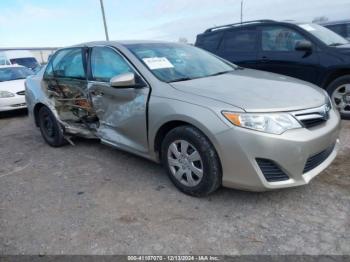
(164, 110)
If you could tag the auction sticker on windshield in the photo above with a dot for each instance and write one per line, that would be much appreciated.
(154, 63)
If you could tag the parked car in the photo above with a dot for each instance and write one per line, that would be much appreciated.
(18, 57)
(341, 27)
(302, 50)
(12, 87)
(208, 121)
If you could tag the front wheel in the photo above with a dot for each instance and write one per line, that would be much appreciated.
(339, 91)
(191, 161)
(50, 128)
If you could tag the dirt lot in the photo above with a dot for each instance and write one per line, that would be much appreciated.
(91, 199)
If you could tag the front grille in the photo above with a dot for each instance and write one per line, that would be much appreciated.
(21, 93)
(313, 117)
(309, 123)
(318, 159)
(272, 172)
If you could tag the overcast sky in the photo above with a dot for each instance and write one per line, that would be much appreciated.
(59, 23)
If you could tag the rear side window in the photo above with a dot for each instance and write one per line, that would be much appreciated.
(239, 41)
(67, 63)
(279, 38)
(209, 42)
(106, 63)
(348, 30)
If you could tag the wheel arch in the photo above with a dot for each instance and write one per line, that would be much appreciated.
(166, 127)
(334, 75)
(164, 130)
(36, 110)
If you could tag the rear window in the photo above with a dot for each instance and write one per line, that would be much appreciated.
(29, 62)
(209, 42)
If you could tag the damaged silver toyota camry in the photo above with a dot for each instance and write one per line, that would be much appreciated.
(208, 121)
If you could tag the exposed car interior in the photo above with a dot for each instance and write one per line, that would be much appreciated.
(66, 85)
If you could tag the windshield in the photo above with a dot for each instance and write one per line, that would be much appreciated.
(177, 62)
(29, 62)
(324, 34)
(14, 73)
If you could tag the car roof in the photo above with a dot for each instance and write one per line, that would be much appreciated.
(251, 23)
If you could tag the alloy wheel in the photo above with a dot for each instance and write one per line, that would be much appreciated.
(341, 98)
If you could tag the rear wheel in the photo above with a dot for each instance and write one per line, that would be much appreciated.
(191, 161)
(339, 91)
(50, 128)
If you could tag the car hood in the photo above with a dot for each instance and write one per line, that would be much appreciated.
(344, 49)
(13, 86)
(256, 91)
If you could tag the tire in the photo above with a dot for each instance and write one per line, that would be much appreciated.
(339, 91)
(193, 174)
(50, 129)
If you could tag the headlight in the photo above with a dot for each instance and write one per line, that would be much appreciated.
(329, 100)
(273, 123)
(4, 94)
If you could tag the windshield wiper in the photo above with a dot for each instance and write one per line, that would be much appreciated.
(180, 79)
(189, 78)
(221, 73)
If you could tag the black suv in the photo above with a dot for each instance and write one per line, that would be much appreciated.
(303, 50)
(340, 27)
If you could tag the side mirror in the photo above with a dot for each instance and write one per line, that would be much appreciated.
(126, 80)
(303, 46)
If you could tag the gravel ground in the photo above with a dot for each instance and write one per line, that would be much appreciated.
(91, 199)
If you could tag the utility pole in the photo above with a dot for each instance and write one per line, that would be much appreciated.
(242, 12)
(104, 20)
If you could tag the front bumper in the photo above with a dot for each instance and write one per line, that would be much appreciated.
(12, 103)
(239, 148)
